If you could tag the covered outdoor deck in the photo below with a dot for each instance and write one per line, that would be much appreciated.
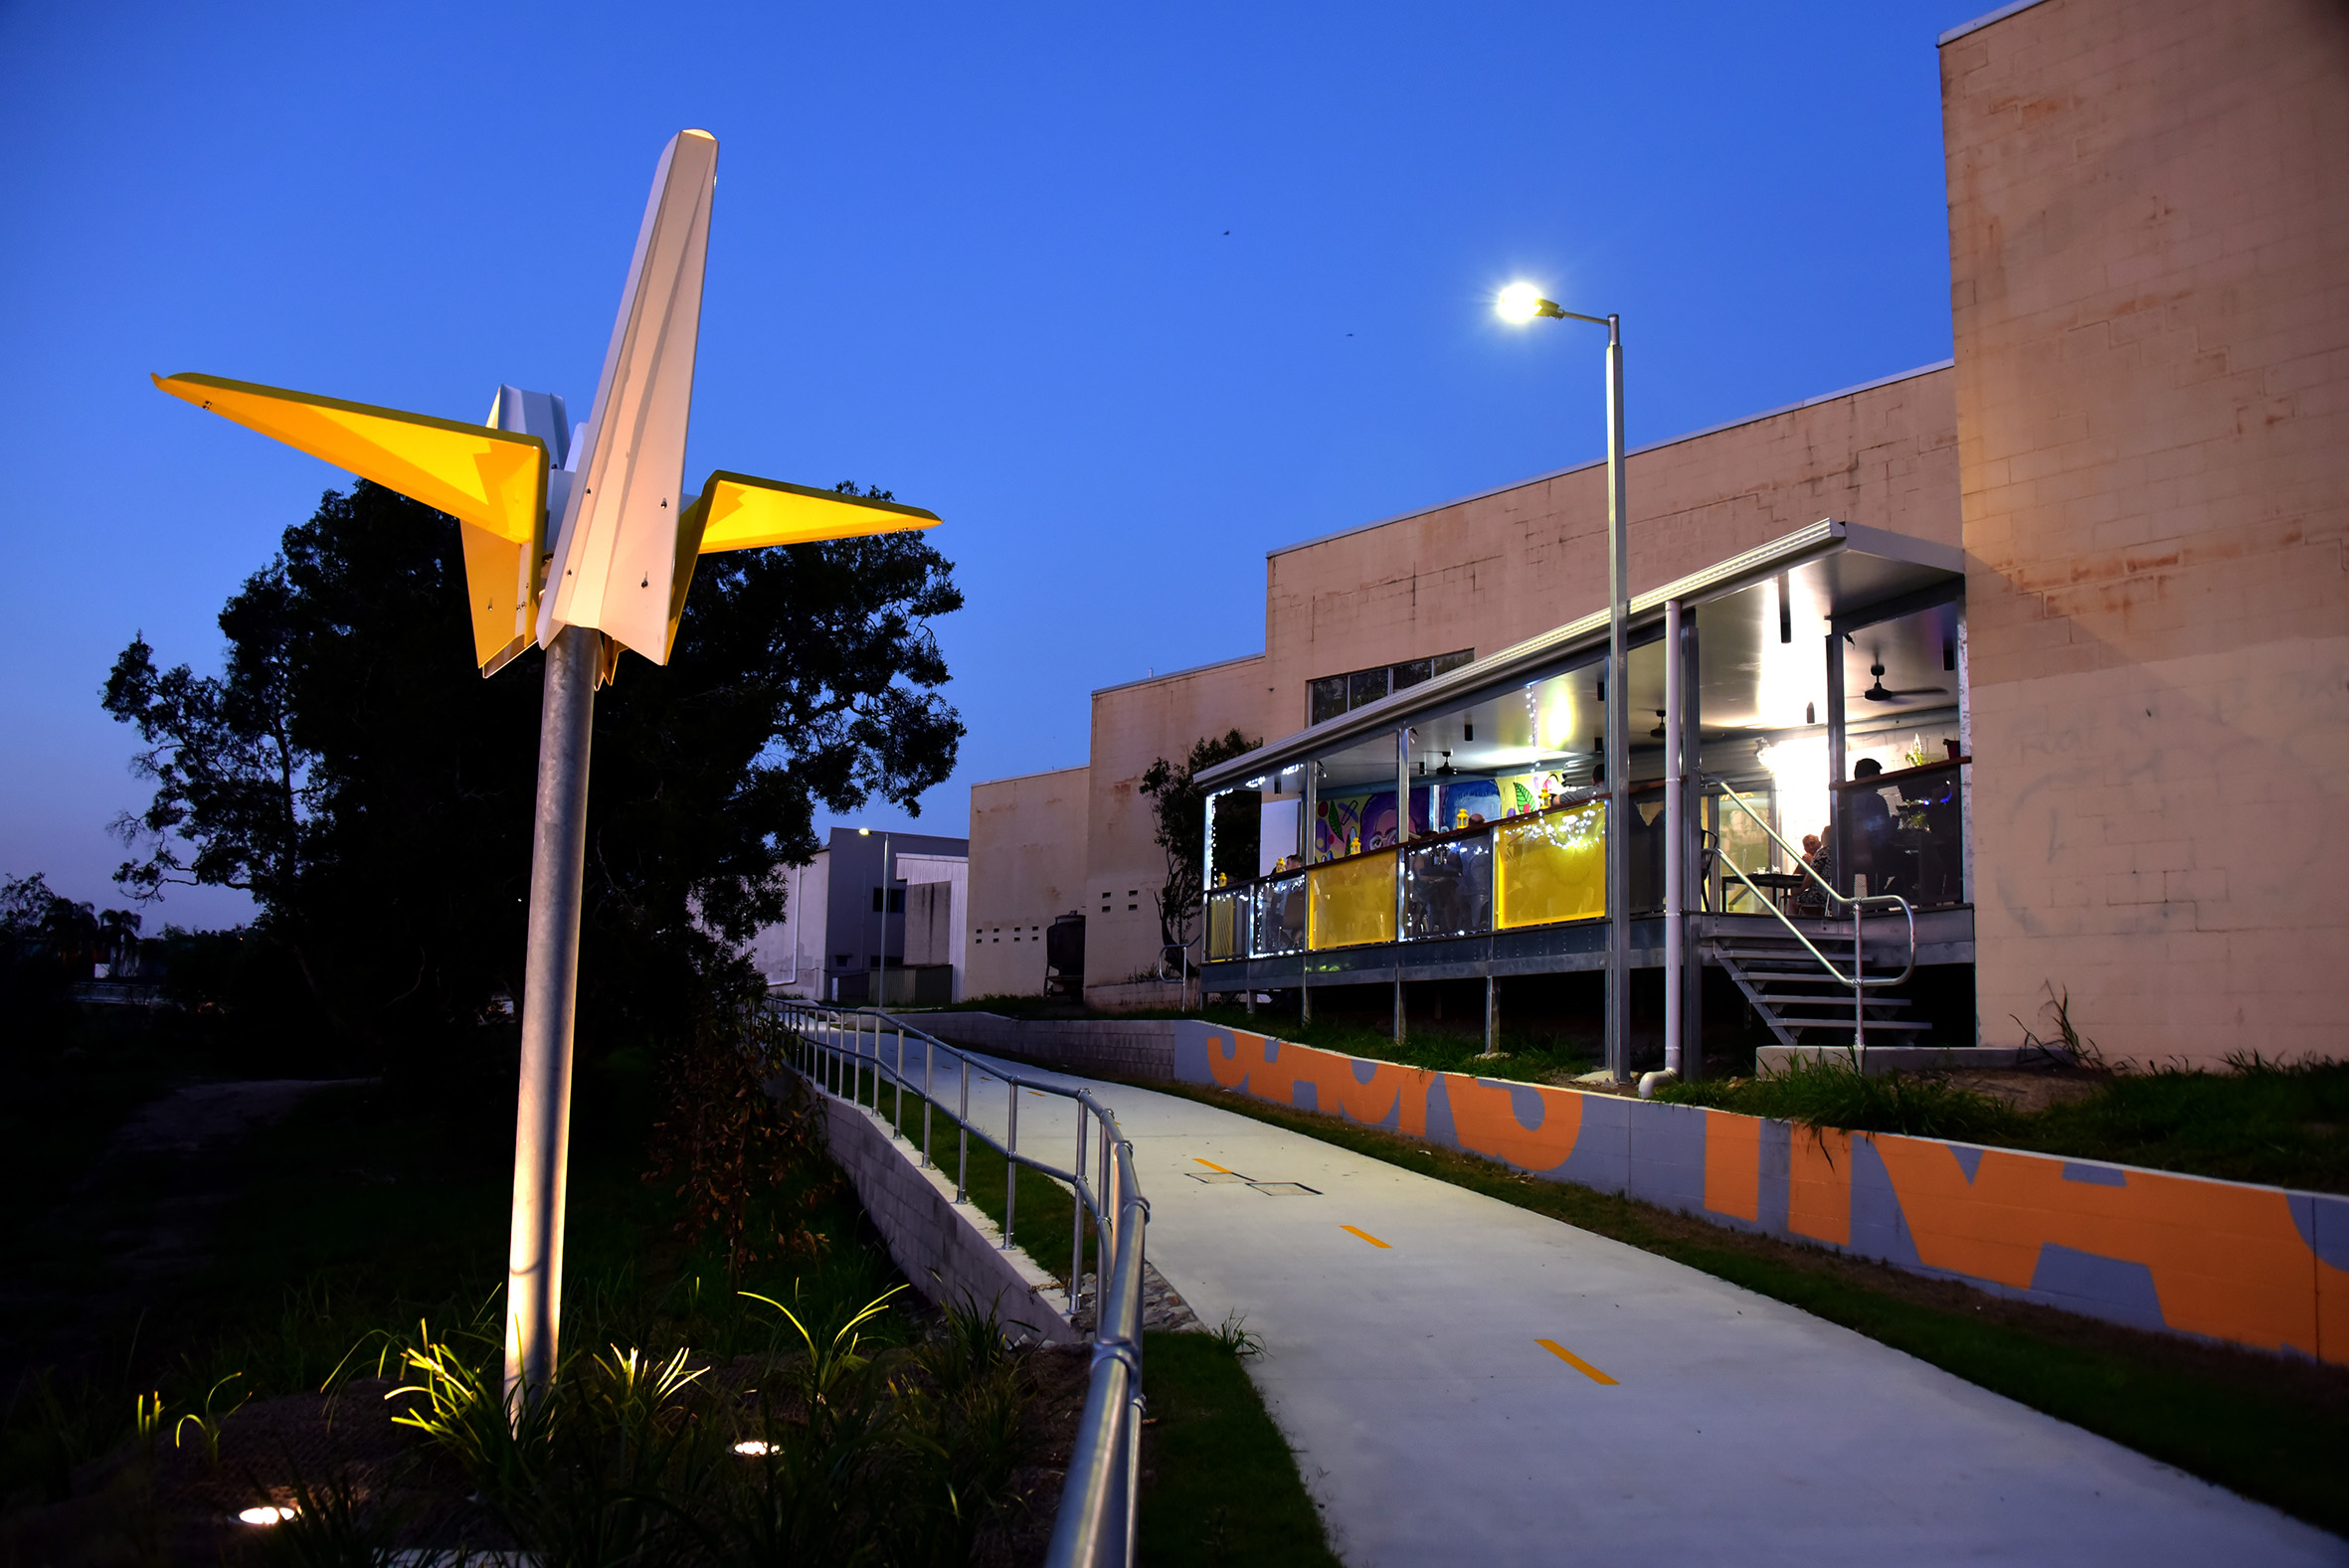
(1458, 829)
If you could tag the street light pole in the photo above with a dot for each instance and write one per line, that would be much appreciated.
(1618, 728)
(1523, 302)
(881, 985)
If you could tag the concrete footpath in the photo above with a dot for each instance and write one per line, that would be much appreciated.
(1466, 1382)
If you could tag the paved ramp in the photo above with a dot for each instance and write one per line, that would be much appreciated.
(1467, 1382)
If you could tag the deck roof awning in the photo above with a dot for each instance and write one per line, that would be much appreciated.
(1759, 613)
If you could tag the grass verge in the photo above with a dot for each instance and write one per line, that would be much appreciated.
(2286, 1124)
(2268, 1428)
(1223, 1488)
(1225, 1491)
(1045, 1210)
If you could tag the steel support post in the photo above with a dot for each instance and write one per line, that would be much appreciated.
(1691, 881)
(1675, 831)
(550, 994)
(1835, 766)
(1403, 850)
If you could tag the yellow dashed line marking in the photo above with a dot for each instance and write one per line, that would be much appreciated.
(1211, 1166)
(1575, 1361)
(1375, 1242)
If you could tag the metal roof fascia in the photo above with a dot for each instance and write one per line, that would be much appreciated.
(1041, 772)
(1739, 572)
(1981, 22)
(1196, 669)
(1636, 452)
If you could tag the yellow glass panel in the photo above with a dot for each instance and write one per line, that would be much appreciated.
(1219, 923)
(1349, 902)
(1550, 867)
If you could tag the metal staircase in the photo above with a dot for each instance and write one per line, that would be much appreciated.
(1802, 1001)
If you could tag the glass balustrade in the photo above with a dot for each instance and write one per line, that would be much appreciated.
(1350, 902)
(1448, 888)
(1532, 870)
(1228, 923)
(1280, 915)
(1551, 867)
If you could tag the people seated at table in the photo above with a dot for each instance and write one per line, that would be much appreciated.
(1868, 833)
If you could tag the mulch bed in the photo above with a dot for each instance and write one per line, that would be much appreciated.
(181, 1503)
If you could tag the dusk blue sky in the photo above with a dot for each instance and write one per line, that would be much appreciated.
(1129, 295)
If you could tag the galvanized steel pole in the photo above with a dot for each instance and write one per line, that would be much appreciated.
(1618, 728)
(1675, 829)
(550, 990)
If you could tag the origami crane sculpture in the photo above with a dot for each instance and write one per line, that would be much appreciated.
(556, 523)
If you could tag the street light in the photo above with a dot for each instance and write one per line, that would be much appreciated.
(881, 985)
(1521, 303)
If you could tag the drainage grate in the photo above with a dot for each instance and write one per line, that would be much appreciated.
(1215, 1175)
(1285, 1189)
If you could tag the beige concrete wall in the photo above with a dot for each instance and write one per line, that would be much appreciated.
(1027, 866)
(2149, 239)
(1133, 726)
(1497, 569)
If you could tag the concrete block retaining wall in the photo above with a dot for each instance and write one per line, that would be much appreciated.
(1132, 1048)
(2226, 1261)
(951, 1252)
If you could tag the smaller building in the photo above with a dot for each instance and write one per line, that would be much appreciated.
(1029, 833)
(849, 936)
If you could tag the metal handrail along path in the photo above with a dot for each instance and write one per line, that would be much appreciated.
(840, 1051)
(1858, 982)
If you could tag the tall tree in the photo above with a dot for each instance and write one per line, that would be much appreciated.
(1181, 806)
(352, 770)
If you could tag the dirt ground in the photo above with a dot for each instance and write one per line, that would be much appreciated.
(2028, 1089)
(143, 1213)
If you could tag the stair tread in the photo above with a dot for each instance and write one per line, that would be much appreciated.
(1889, 1024)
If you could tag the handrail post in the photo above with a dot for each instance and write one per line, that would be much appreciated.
(1076, 1240)
(1010, 1159)
(963, 1138)
(1859, 990)
(899, 1129)
(929, 1094)
(1105, 1231)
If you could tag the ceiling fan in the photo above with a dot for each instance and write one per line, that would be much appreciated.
(1880, 693)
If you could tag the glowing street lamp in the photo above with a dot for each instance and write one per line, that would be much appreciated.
(1521, 303)
(555, 522)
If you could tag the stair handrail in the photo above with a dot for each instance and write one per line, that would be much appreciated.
(1857, 980)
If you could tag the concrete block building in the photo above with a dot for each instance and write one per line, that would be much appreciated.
(2080, 595)
(845, 921)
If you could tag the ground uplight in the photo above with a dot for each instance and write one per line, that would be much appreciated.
(754, 1448)
(265, 1514)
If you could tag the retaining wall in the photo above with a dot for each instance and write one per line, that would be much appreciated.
(951, 1252)
(2226, 1261)
(1132, 1048)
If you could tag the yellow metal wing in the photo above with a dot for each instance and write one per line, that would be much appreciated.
(492, 481)
(743, 513)
(738, 512)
